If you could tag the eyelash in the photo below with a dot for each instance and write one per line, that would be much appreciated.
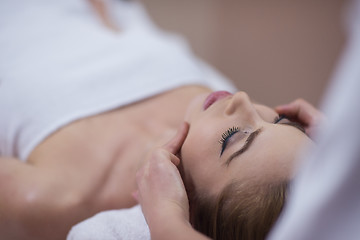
(226, 135)
(278, 119)
(231, 131)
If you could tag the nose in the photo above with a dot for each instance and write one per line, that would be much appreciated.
(240, 103)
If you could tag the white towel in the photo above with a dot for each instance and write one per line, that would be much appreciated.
(121, 224)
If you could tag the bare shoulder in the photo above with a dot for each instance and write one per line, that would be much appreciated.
(73, 174)
(55, 195)
(29, 200)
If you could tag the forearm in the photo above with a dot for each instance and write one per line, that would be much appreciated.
(176, 230)
(162, 194)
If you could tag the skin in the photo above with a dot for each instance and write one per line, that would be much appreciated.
(303, 112)
(90, 165)
(160, 184)
(101, 10)
(86, 167)
(271, 156)
(160, 187)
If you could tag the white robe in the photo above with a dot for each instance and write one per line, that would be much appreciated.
(325, 199)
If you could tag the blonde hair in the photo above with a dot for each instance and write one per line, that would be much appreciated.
(243, 210)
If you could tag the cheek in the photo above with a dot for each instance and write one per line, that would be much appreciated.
(191, 152)
(189, 163)
(198, 153)
(195, 107)
(202, 140)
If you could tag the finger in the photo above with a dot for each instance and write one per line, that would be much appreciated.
(174, 145)
(163, 155)
(298, 110)
(136, 196)
(140, 187)
(289, 110)
(174, 159)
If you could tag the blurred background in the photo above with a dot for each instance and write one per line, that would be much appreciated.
(276, 50)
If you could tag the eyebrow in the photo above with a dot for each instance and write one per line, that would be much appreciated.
(295, 125)
(247, 144)
(252, 137)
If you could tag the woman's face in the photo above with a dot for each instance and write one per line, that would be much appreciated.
(232, 138)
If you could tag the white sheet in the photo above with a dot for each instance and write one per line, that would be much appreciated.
(121, 224)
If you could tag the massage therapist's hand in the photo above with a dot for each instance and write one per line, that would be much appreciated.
(161, 191)
(304, 113)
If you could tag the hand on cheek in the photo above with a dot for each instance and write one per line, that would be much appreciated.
(161, 191)
(304, 113)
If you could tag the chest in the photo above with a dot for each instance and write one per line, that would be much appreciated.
(100, 155)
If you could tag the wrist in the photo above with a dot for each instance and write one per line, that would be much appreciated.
(168, 226)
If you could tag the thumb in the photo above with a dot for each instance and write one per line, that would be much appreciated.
(174, 145)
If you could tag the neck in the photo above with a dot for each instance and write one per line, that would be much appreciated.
(156, 119)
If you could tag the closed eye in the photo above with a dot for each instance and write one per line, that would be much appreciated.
(278, 120)
(226, 136)
(286, 121)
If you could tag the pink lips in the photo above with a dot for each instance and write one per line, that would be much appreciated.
(213, 97)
